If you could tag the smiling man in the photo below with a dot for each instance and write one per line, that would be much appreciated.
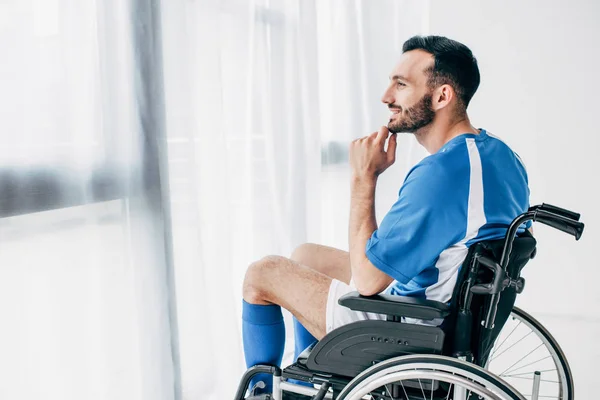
(469, 189)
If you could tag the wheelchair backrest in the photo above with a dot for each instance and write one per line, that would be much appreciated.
(482, 340)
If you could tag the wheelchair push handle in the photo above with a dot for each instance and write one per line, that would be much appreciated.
(558, 219)
(560, 222)
(557, 210)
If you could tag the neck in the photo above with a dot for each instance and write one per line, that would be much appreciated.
(438, 133)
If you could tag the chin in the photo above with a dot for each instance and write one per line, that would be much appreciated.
(394, 128)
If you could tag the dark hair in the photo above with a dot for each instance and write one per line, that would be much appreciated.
(454, 65)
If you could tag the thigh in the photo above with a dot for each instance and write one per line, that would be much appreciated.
(330, 261)
(338, 315)
(299, 289)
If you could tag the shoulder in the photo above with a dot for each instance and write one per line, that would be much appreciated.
(442, 169)
(502, 145)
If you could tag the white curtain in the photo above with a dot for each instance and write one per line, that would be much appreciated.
(125, 236)
(262, 100)
(244, 160)
(84, 288)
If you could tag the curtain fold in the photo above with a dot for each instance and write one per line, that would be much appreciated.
(84, 265)
(244, 157)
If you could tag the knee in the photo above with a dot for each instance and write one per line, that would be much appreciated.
(255, 289)
(303, 254)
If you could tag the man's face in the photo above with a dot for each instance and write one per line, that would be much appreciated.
(408, 96)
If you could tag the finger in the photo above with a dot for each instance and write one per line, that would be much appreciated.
(367, 139)
(391, 150)
(382, 134)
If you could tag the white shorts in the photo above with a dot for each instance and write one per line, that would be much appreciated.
(339, 315)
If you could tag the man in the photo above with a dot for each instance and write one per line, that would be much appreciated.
(469, 189)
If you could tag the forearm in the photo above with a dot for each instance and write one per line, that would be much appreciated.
(367, 278)
(362, 220)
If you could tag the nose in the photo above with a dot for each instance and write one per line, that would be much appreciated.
(388, 97)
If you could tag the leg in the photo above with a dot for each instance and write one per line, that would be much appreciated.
(326, 260)
(293, 286)
(330, 261)
(275, 282)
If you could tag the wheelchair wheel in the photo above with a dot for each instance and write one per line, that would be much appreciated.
(427, 377)
(523, 347)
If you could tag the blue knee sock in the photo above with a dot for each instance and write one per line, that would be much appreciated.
(302, 337)
(263, 334)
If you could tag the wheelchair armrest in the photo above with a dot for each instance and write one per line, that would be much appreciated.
(398, 306)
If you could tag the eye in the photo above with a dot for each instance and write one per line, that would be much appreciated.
(401, 83)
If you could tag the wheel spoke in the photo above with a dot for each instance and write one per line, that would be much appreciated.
(530, 379)
(511, 346)
(522, 358)
(526, 365)
(389, 392)
(431, 390)
(449, 391)
(530, 372)
(422, 391)
(504, 341)
(404, 390)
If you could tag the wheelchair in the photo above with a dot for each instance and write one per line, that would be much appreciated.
(484, 348)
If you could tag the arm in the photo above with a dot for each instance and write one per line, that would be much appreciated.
(427, 218)
(368, 279)
(368, 160)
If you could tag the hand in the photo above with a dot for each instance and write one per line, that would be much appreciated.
(368, 157)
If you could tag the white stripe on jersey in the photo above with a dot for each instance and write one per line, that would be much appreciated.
(450, 259)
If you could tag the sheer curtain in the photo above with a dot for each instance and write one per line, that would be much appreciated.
(244, 160)
(149, 152)
(262, 99)
(84, 267)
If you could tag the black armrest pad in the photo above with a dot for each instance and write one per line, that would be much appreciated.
(399, 306)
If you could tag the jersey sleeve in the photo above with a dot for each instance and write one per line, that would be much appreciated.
(429, 215)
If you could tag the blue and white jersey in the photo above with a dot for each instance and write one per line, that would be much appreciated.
(469, 191)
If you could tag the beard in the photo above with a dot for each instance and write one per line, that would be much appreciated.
(411, 119)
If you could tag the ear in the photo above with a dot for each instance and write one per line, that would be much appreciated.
(442, 97)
